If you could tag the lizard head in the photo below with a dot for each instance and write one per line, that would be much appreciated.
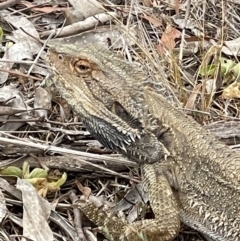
(81, 79)
(107, 93)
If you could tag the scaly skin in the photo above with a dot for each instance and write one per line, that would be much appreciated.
(189, 174)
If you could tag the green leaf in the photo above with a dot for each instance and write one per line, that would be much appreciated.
(236, 71)
(142, 236)
(226, 65)
(37, 173)
(60, 181)
(25, 169)
(208, 70)
(1, 34)
(12, 171)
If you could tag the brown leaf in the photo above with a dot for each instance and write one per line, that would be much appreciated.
(86, 191)
(168, 39)
(191, 100)
(43, 9)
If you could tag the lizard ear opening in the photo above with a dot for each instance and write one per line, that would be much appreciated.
(122, 113)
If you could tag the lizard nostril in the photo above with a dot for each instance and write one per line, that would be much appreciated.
(60, 57)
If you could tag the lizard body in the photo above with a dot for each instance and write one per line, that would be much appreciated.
(190, 176)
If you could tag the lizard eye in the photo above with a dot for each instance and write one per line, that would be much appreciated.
(82, 67)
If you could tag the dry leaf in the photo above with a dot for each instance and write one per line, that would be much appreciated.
(132, 199)
(86, 191)
(87, 8)
(232, 47)
(42, 100)
(36, 211)
(10, 96)
(147, 3)
(210, 85)
(153, 20)
(191, 100)
(3, 207)
(168, 39)
(232, 91)
(191, 24)
(42, 9)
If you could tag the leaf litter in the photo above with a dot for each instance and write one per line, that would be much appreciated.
(193, 44)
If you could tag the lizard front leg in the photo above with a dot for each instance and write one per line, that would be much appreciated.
(164, 227)
(166, 224)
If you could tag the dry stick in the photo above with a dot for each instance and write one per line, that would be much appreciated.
(184, 30)
(39, 54)
(20, 62)
(81, 26)
(55, 149)
(77, 217)
(19, 73)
